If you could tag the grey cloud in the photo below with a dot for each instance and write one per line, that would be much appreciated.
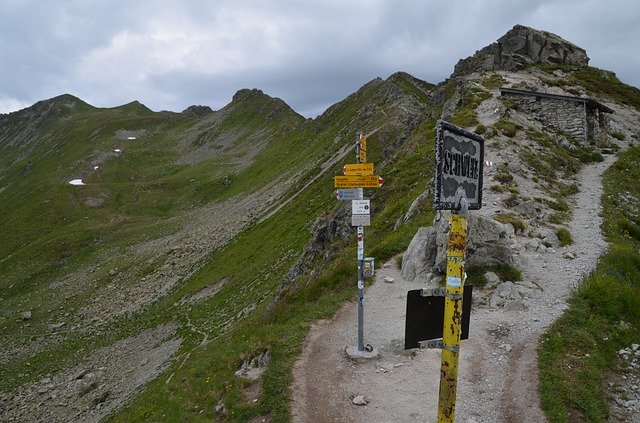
(307, 53)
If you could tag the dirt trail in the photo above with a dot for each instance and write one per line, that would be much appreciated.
(498, 380)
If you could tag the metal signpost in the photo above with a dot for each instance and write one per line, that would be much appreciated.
(458, 187)
(356, 177)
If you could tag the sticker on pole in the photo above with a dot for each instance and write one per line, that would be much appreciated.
(459, 163)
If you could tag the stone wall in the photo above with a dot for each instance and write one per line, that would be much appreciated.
(565, 115)
(598, 126)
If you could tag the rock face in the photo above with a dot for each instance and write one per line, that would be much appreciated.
(420, 255)
(520, 46)
(488, 245)
(325, 232)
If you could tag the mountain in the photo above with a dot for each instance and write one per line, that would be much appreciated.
(204, 239)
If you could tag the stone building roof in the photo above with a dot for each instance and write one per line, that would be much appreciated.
(587, 101)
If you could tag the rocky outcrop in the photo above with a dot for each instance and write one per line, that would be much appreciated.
(488, 245)
(420, 255)
(321, 245)
(521, 46)
(197, 111)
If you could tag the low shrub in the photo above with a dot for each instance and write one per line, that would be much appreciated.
(518, 224)
(564, 236)
(618, 135)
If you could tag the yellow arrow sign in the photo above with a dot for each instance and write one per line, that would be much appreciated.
(362, 149)
(358, 169)
(357, 181)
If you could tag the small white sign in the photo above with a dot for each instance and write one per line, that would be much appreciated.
(361, 220)
(360, 207)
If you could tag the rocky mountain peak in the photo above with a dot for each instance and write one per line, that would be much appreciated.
(248, 94)
(197, 111)
(519, 47)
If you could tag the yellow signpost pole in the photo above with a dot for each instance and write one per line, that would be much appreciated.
(452, 318)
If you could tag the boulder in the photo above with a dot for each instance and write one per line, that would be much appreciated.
(420, 255)
(491, 279)
(488, 244)
(526, 208)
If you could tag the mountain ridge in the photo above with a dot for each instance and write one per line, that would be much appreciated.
(215, 236)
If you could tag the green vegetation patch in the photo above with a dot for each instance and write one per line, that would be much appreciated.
(598, 82)
(475, 275)
(618, 135)
(510, 218)
(564, 236)
(506, 128)
(494, 82)
(465, 115)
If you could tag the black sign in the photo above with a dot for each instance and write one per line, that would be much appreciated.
(425, 317)
(459, 164)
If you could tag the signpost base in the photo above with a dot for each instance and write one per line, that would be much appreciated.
(354, 354)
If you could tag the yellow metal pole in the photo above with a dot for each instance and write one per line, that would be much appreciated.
(452, 318)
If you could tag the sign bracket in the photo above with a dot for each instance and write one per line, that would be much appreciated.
(438, 344)
(439, 292)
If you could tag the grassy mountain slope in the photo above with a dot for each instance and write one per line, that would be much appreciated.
(173, 228)
(66, 246)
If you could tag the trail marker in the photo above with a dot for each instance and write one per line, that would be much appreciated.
(360, 220)
(348, 194)
(360, 207)
(358, 169)
(357, 181)
(356, 177)
(361, 148)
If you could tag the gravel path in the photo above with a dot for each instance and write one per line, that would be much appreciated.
(498, 380)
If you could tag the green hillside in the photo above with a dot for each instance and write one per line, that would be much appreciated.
(147, 187)
(220, 230)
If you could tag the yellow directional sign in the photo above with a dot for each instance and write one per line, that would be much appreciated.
(358, 169)
(357, 181)
(362, 149)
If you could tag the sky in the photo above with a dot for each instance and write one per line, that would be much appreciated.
(170, 54)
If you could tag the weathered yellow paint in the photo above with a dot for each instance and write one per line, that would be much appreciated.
(452, 318)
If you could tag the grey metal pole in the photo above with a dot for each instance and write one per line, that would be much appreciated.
(360, 289)
(360, 259)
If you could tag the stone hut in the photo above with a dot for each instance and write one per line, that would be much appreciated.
(583, 118)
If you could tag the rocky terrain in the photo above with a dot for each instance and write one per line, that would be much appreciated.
(200, 239)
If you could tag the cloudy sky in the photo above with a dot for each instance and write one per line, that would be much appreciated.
(170, 54)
